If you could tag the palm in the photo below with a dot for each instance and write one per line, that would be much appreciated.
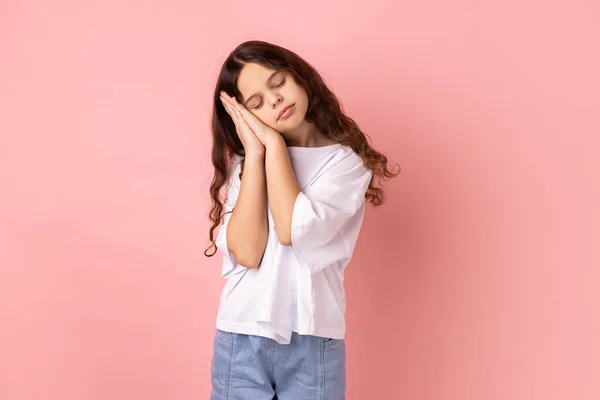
(251, 142)
(259, 128)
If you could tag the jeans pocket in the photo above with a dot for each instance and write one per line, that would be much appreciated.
(334, 366)
(220, 369)
(330, 342)
(224, 334)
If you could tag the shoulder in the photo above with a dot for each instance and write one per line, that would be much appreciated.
(233, 170)
(347, 162)
(236, 159)
(235, 164)
(345, 171)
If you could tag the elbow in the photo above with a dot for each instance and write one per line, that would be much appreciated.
(248, 259)
(284, 233)
(285, 240)
(248, 255)
(248, 262)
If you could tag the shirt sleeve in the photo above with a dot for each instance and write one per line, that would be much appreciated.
(230, 265)
(328, 214)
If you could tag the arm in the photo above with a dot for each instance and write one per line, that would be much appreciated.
(322, 221)
(282, 187)
(247, 231)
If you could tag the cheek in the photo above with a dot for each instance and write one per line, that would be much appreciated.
(301, 100)
(265, 117)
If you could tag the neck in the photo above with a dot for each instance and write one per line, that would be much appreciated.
(305, 135)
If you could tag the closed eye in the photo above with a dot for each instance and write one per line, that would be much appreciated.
(280, 85)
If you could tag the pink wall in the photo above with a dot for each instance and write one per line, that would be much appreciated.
(478, 279)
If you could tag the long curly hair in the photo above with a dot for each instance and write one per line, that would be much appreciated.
(323, 110)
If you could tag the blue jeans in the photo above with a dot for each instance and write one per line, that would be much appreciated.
(248, 367)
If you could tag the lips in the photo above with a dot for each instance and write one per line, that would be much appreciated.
(282, 111)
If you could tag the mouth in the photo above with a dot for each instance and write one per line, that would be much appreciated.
(286, 112)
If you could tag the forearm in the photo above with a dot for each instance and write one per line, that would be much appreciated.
(282, 187)
(247, 231)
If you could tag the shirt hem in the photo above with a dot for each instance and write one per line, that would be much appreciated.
(259, 330)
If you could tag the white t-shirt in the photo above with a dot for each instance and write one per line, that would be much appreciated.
(300, 287)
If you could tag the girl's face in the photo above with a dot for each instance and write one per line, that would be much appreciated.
(266, 92)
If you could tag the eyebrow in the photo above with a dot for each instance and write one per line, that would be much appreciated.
(255, 94)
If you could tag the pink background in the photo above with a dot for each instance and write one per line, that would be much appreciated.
(478, 278)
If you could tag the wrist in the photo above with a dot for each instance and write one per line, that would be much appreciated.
(274, 139)
(255, 154)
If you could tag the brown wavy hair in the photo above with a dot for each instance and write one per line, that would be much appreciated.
(323, 110)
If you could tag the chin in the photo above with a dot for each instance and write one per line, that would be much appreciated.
(288, 125)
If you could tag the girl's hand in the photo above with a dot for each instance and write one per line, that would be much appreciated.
(252, 144)
(264, 132)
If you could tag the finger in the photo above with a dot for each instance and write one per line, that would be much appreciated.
(238, 116)
(232, 114)
(224, 100)
(237, 103)
(236, 120)
(226, 103)
(227, 97)
(231, 105)
(227, 108)
(242, 121)
(243, 111)
(248, 118)
(237, 110)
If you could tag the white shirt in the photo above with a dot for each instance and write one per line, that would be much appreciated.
(300, 287)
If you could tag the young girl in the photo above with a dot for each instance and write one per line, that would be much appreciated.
(297, 172)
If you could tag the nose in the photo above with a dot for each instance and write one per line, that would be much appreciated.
(275, 100)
